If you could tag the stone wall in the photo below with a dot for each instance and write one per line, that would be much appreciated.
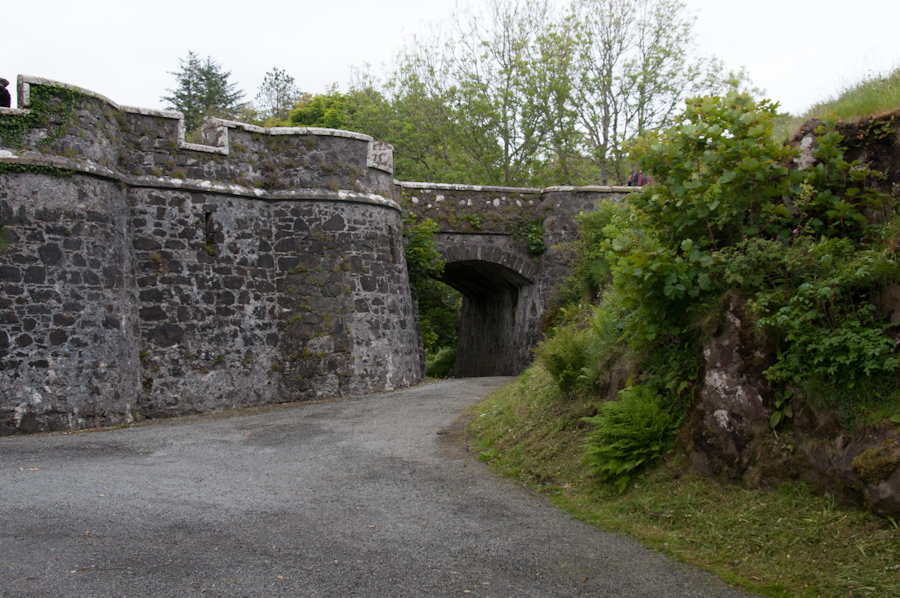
(68, 317)
(728, 434)
(144, 276)
(244, 302)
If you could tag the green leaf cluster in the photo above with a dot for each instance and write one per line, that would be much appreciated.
(423, 259)
(439, 315)
(515, 92)
(439, 305)
(805, 247)
(50, 107)
(529, 232)
(630, 432)
(567, 356)
(441, 363)
(328, 110)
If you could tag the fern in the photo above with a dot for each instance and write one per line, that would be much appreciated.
(630, 432)
(565, 357)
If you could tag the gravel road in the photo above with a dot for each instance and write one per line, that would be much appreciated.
(354, 497)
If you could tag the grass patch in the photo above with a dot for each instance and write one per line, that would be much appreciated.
(780, 542)
(873, 95)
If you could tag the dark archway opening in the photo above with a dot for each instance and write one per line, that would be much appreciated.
(439, 308)
(495, 326)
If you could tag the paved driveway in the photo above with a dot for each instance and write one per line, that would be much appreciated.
(353, 497)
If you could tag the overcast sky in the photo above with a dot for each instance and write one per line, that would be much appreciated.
(799, 51)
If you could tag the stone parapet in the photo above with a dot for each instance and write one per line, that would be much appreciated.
(58, 119)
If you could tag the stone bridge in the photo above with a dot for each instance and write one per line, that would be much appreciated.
(505, 286)
(144, 276)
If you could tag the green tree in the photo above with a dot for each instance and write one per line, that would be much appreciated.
(327, 110)
(439, 305)
(727, 214)
(635, 67)
(203, 90)
(807, 251)
(277, 95)
(474, 102)
(503, 85)
(417, 110)
(509, 93)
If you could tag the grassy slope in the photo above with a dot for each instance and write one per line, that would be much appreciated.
(778, 542)
(872, 96)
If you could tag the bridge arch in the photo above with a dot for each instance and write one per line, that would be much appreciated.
(499, 320)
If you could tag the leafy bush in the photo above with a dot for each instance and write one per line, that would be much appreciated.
(804, 246)
(579, 352)
(441, 363)
(423, 259)
(527, 228)
(439, 314)
(807, 249)
(591, 268)
(630, 432)
(566, 357)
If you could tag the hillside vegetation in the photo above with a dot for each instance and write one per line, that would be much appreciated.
(782, 542)
(597, 420)
(874, 95)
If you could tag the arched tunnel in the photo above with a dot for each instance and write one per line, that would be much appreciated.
(499, 320)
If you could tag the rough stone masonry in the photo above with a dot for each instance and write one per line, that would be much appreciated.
(145, 276)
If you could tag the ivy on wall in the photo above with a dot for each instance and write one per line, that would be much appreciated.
(50, 107)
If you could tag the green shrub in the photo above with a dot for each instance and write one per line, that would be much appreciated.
(441, 363)
(567, 357)
(439, 314)
(807, 249)
(802, 246)
(423, 258)
(871, 400)
(634, 430)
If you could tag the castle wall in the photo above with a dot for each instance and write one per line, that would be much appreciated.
(143, 276)
(68, 317)
(244, 302)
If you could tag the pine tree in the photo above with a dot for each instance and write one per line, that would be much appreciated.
(202, 90)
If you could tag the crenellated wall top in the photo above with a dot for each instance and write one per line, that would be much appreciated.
(59, 125)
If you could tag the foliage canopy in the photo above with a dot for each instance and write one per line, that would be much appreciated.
(277, 95)
(514, 92)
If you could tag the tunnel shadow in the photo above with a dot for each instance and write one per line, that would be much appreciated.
(497, 327)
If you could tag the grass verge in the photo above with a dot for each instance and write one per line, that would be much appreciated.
(786, 541)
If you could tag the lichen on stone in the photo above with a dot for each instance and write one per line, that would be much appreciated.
(877, 464)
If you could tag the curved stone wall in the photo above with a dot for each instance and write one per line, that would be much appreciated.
(144, 276)
(68, 317)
